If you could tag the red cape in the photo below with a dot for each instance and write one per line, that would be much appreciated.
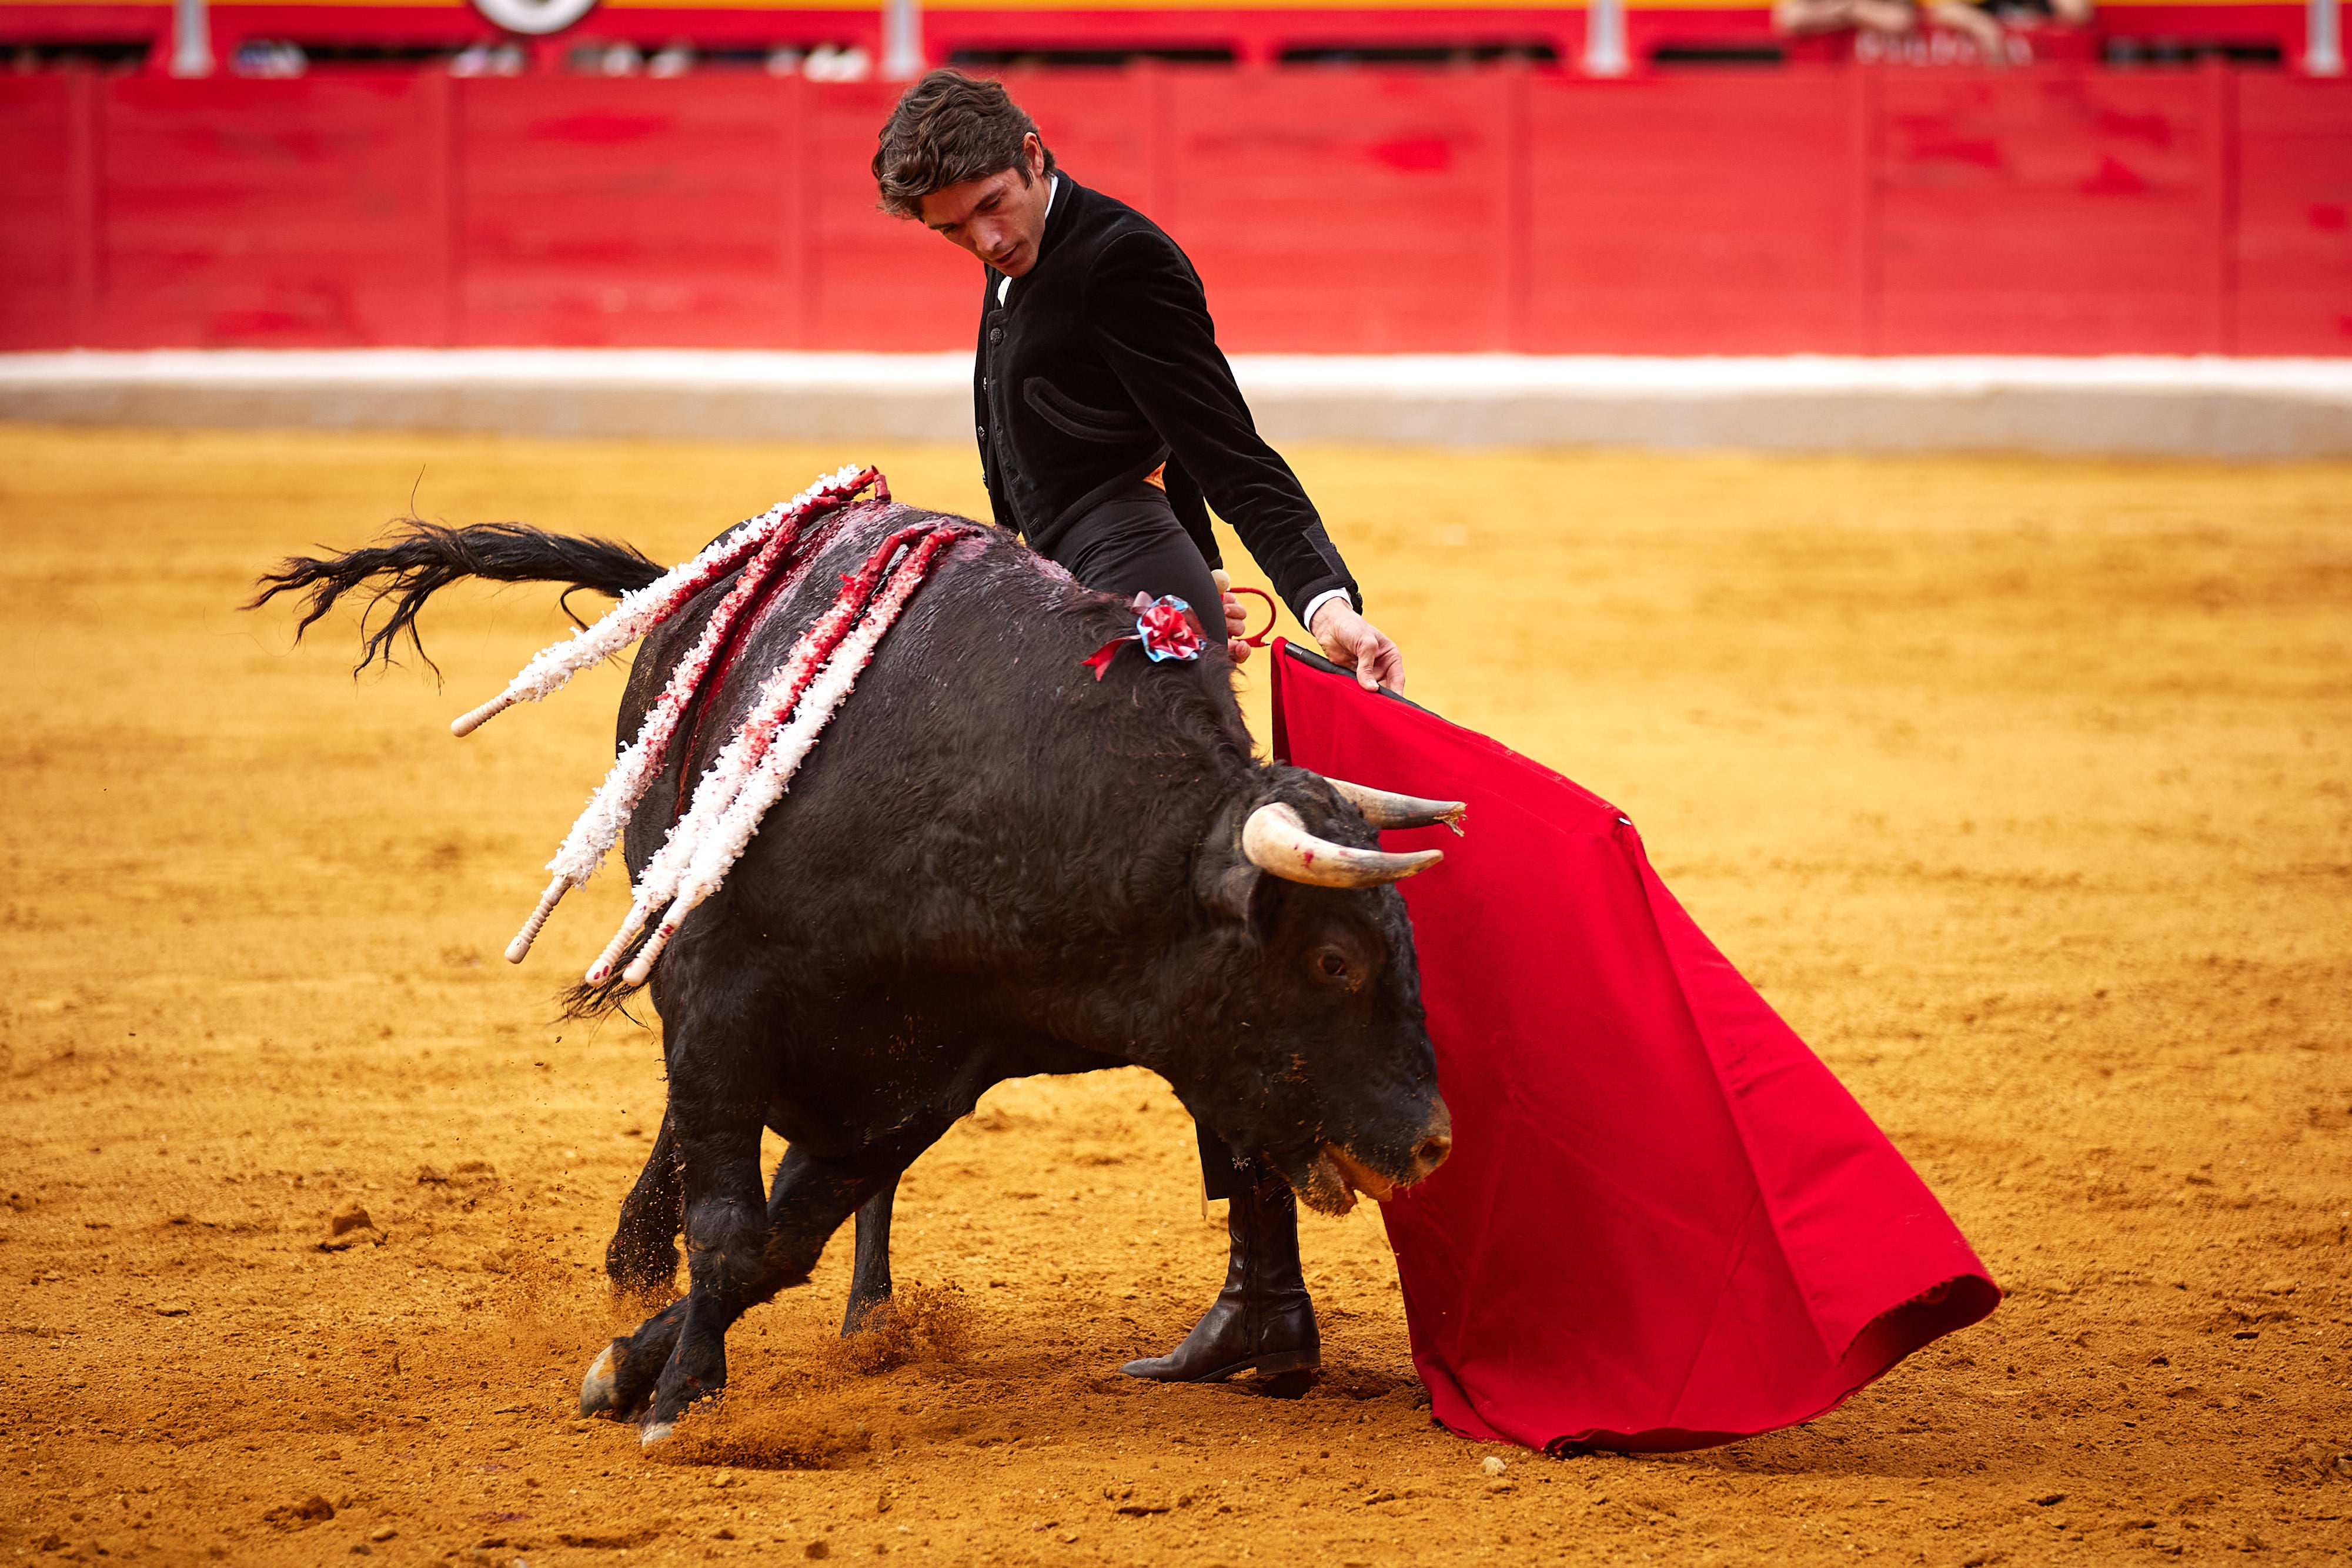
(1664, 1224)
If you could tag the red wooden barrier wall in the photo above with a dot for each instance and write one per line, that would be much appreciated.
(2057, 210)
(2290, 256)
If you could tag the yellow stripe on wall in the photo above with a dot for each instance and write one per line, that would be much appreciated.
(371, 5)
(1189, 8)
(1197, 5)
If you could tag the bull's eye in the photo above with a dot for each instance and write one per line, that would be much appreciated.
(1332, 967)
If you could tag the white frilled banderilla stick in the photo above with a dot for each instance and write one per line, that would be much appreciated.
(600, 826)
(641, 611)
(758, 764)
(770, 540)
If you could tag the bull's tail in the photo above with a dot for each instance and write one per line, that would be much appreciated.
(420, 558)
(593, 1000)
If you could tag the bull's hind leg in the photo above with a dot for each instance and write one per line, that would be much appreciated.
(642, 1261)
(709, 1152)
(642, 1257)
(729, 1275)
(726, 1259)
(679, 1353)
(869, 1278)
(622, 1380)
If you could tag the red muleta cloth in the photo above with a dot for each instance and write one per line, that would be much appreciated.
(1665, 1225)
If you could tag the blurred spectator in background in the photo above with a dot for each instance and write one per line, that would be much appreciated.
(1984, 23)
(1798, 19)
(1976, 23)
(2023, 15)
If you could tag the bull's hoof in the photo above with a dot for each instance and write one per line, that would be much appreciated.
(866, 1317)
(655, 1432)
(600, 1391)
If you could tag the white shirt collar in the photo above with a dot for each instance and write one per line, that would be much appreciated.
(1005, 286)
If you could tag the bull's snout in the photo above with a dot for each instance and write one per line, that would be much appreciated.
(1437, 1143)
(1336, 1174)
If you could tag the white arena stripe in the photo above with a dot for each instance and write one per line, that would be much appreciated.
(2115, 405)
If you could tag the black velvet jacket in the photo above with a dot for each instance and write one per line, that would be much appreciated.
(1103, 364)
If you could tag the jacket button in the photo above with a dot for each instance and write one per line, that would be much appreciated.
(983, 383)
(996, 334)
(981, 430)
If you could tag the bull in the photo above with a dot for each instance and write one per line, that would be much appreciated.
(994, 866)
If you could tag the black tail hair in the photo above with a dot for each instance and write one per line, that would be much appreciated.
(420, 559)
(612, 993)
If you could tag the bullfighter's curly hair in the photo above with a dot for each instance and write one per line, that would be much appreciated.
(949, 127)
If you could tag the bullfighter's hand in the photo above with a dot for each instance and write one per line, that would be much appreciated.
(1236, 617)
(1354, 644)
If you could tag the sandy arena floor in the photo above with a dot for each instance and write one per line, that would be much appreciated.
(2023, 788)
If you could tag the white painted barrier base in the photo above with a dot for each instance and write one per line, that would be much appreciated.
(2124, 405)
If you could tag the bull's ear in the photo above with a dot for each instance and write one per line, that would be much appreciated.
(1228, 885)
(1234, 894)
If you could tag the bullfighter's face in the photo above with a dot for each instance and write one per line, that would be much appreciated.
(1001, 218)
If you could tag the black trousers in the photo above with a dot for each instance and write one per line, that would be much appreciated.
(1133, 544)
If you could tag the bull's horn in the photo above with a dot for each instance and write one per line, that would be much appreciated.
(1383, 809)
(1275, 840)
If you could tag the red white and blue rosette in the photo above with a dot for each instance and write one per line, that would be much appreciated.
(1166, 627)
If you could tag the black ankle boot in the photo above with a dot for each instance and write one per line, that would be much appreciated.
(1263, 1319)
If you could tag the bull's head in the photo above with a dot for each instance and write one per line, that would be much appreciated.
(1326, 1067)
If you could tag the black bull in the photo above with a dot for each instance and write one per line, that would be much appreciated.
(991, 866)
